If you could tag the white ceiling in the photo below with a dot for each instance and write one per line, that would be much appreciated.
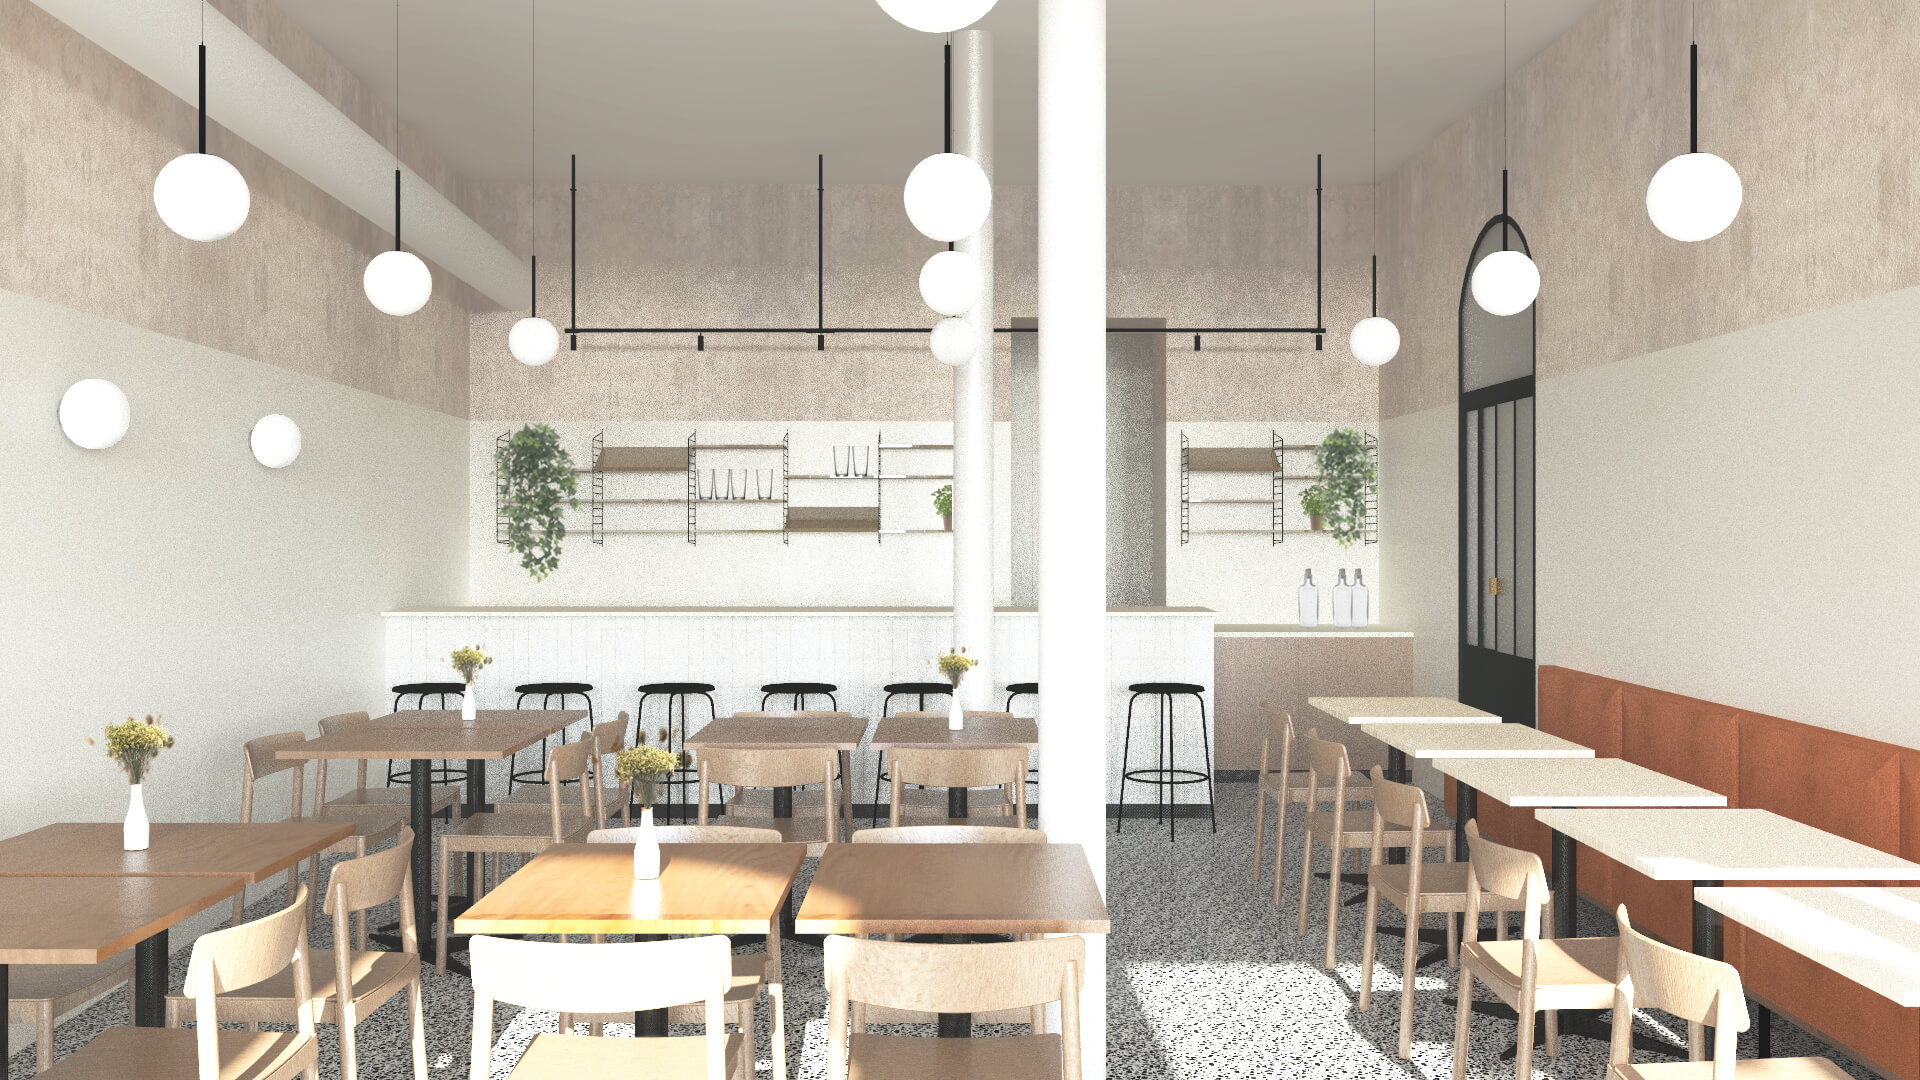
(1201, 91)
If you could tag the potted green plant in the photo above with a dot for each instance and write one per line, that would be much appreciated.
(537, 483)
(943, 505)
(1339, 497)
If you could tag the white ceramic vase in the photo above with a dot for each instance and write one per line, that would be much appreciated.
(133, 834)
(956, 715)
(469, 704)
(646, 850)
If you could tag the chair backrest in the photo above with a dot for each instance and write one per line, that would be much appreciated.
(786, 767)
(1327, 770)
(225, 960)
(960, 767)
(971, 714)
(1696, 989)
(600, 978)
(610, 737)
(1279, 737)
(571, 762)
(790, 714)
(1400, 806)
(954, 978)
(356, 885)
(1510, 873)
(689, 834)
(262, 762)
(341, 722)
(949, 834)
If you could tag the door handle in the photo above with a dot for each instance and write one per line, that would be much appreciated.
(1493, 586)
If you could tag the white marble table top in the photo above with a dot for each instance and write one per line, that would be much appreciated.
(1870, 935)
(1431, 741)
(1588, 781)
(1400, 710)
(1725, 845)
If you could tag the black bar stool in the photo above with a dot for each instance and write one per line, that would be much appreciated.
(546, 691)
(442, 772)
(673, 692)
(800, 691)
(1020, 690)
(1165, 775)
(920, 690)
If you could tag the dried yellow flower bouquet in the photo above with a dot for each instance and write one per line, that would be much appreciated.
(468, 660)
(134, 744)
(955, 665)
(644, 766)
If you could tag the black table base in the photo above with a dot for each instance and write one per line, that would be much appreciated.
(150, 980)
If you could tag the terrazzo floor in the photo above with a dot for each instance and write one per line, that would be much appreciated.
(1205, 979)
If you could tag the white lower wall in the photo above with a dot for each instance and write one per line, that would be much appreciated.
(173, 574)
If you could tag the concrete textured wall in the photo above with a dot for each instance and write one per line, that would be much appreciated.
(1808, 102)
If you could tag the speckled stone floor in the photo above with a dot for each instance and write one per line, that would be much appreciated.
(1205, 979)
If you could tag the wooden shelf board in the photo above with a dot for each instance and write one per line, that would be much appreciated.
(1258, 532)
(642, 459)
(833, 519)
(868, 479)
(916, 446)
(738, 446)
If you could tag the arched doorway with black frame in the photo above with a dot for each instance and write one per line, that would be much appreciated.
(1497, 494)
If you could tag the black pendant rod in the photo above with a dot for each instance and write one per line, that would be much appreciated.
(203, 97)
(1504, 218)
(1692, 102)
(820, 258)
(946, 112)
(1319, 279)
(396, 209)
(573, 249)
(533, 286)
(1376, 286)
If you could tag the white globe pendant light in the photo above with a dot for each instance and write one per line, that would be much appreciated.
(94, 414)
(953, 341)
(200, 196)
(533, 341)
(1374, 341)
(1694, 197)
(950, 282)
(397, 282)
(275, 441)
(1505, 283)
(948, 197)
(936, 16)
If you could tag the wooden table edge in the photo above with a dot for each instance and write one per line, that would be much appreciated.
(128, 940)
(830, 924)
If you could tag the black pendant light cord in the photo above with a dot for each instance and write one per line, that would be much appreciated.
(946, 110)
(1693, 102)
(396, 125)
(1375, 191)
(203, 76)
(533, 159)
(1506, 128)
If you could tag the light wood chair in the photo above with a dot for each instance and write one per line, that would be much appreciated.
(922, 978)
(752, 972)
(378, 801)
(917, 798)
(354, 887)
(794, 767)
(222, 960)
(1416, 887)
(40, 994)
(609, 738)
(1535, 973)
(761, 798)
(1328, 770)
(950, 834)
(491, 835)
(1283, 787)
(1702, 992)
(1003, 768)
(574, 979)
(261, 762)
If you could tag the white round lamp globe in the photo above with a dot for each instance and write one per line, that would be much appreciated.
(1374, 341)
(275, 441)
(953, 341)
(1694, 197)
(94, 414)
(533, 341)
(1505, 283)
(936, 16)
(397, 282)
(950, 282)
(201, 197)
(948, 197)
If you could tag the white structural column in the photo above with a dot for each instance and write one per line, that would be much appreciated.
(1073, 456)
(973, 488)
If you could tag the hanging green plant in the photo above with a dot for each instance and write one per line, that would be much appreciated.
(538, 483)
(1346, 475)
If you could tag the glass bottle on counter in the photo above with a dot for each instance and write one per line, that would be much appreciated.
(1309, 602)
(1362, 603)
(1342, 602)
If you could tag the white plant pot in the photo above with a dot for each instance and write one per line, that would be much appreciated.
(133, 834)
(646, 850)
(469, 704)
(956, 716)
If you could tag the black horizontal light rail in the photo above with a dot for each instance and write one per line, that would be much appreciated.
(928, 329)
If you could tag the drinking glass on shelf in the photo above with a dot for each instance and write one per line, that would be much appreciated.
(866, 460)
(756, 484)
(836, 460)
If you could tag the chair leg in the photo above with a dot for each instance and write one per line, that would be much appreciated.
(1453, 942)
(879, 770)
(1306, 882)
(1553, 1034)
(1523, 1053)
(43, 1034)
(1280, 840)
(440, 932)
(349, 1053)
(1366, 949)
(239, 906)
(1333, 898)
(1408, 963)
(1463, 1011)
(1206, 758)
(1260, 832)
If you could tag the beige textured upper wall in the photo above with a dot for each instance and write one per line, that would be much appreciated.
(739, 255)
(85, 136)
(1812, 103)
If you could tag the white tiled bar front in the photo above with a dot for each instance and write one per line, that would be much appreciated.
(858, 649)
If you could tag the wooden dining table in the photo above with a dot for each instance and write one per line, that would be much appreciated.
(590, 889)
(932, 733)
(841, 734)
(422, 737)
(954, 889)
(1359, 711)
(213, 860)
